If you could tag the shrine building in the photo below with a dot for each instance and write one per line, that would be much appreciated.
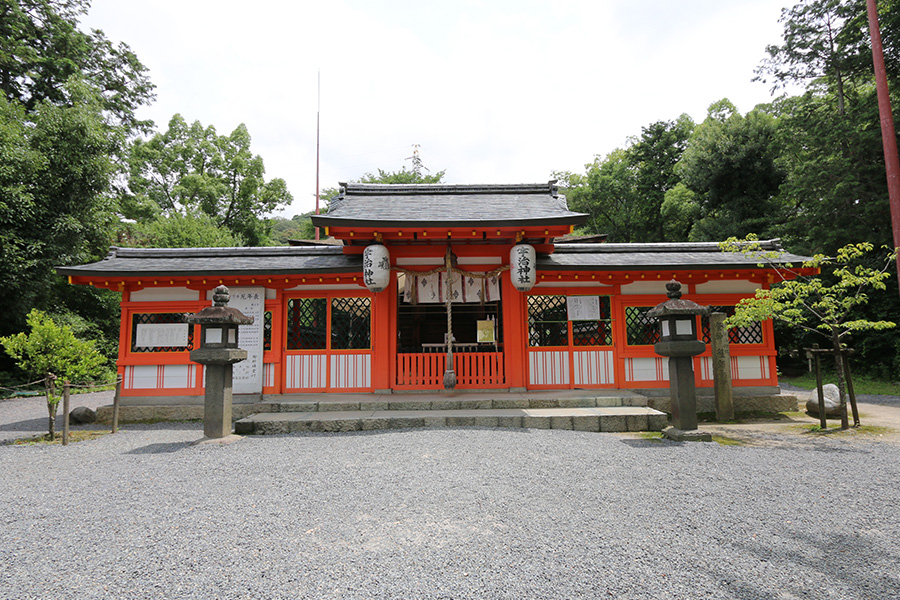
(371, 312)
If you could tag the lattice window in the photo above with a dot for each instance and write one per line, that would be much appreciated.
(351, 323)
(159, 319)
(752, 334)
(548, 321)
(640, 330)
(594, 333)
(267, 330)
(307, 324)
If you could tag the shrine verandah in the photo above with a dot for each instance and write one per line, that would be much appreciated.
(582, 323)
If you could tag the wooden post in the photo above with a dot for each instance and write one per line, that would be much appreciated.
(65, 440)
(115, 418)
(850, 392)
(822, 420)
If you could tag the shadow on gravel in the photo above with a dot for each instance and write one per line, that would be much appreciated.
(29, 425)
(649, 443)
(159, 448)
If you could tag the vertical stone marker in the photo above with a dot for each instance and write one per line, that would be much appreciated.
(721, 363)
(218, 351)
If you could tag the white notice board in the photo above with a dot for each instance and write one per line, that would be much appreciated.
(161, 335)
(583, 308)
(248, 374)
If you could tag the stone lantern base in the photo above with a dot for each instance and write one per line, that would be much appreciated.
(691, 435)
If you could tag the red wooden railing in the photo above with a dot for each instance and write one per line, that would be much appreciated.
(474, 370)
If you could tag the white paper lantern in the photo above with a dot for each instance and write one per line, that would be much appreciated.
(522, 267)
(376, 267)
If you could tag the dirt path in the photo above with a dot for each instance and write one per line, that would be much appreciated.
(879, 420)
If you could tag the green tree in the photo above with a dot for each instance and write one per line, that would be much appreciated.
(835, 187)
(809, 302)
(189, 169)
(41, 48)
(54, 172)
(182, 231)
(51, 352)
(653, 157)
(298, 227)
(623, 192)
(731, 165)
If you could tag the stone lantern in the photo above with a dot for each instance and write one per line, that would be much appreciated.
(678, 341)
(218, 351)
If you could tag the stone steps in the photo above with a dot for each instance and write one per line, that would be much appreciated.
(577, 410)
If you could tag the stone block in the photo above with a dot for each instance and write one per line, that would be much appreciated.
(435, 421)
(486, 422)
(375, 424)
(657, 422)
(405, 422)
(561, 423)
(577, 402)
(339, 425)
(586, 423)
(636, 422)
(460, 421)
(409, 406)
(374, 405)
(515, 422)
(243, 428)
(506, 403)
(543, 403)
(613, 423)
(536, 422)
(338, 406)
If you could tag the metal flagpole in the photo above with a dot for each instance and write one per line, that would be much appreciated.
(888, 135)
(318, 110)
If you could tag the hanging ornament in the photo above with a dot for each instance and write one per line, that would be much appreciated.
(522, 263)
(376, 267)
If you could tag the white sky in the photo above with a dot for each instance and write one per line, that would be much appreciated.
(493, 91)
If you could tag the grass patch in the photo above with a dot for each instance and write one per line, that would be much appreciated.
(873, 430)
(861, 384)
(81, 435)
(726, 441)
(651, 436)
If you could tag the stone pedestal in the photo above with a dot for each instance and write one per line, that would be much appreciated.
(219, 364)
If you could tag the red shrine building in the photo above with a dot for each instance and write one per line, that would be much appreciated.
(418, 271)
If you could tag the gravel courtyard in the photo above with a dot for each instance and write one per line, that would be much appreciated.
(452, 513)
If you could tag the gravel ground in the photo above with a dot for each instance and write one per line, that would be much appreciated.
(450, 513)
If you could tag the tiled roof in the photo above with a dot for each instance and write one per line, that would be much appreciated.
(287, 260)
(283, 260)
(440, 205)
(698, 255)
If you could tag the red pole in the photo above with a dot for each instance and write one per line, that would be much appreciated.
(318, 108)
(888, 136)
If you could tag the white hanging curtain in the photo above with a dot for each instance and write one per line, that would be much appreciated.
(433, 289)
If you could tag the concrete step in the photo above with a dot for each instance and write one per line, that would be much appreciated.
(452, 401)
(600, 419)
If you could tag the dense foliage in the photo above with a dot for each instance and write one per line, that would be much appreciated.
(807, 168)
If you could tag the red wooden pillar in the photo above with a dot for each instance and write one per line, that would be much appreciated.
(514, 334)
(384, 343)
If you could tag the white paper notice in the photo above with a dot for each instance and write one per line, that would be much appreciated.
(161, 335)
(583, 308)
(248, 374)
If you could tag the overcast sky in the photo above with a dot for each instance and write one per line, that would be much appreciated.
(493, 91)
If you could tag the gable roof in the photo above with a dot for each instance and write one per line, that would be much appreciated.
(443, 205)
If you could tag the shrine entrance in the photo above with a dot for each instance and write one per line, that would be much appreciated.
(422, 336)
